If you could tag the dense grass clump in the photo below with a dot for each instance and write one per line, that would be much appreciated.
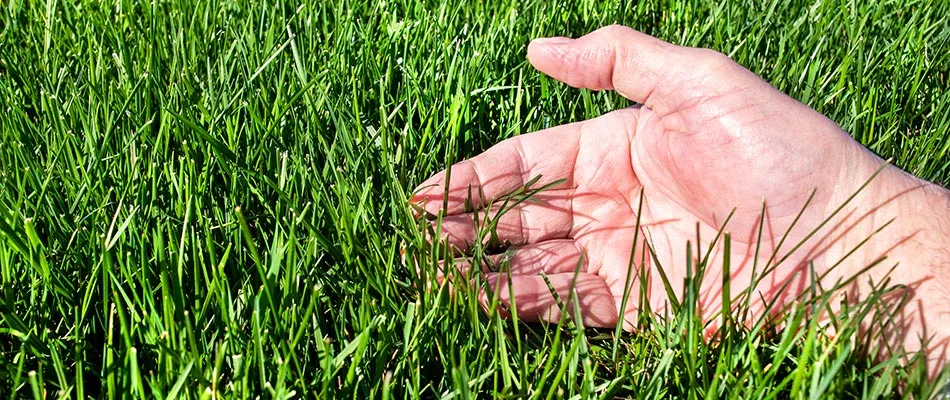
(208, 198)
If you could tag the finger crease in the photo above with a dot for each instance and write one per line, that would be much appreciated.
(478, 187)
(522, 168)
(585, 262)
(524, 226)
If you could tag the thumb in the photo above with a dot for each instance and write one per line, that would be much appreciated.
(638, 66)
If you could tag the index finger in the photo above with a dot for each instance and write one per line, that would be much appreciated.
(476, 182)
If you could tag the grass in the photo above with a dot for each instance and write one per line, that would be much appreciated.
(208, 198)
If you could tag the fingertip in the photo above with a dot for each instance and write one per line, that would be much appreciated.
(426, 199)
(495, 282)
(416, 205)
(611, 58)
(423, 200)
(543, 52)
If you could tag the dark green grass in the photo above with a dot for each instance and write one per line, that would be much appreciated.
(203, 198)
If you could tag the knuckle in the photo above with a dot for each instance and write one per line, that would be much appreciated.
(711, 59)
(615, 29)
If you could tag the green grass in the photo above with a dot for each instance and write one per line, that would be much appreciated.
(208, 198)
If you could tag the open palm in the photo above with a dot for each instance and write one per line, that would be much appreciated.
(706, 138)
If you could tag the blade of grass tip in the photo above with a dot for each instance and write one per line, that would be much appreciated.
(748, 293)
(580, 354)
(689, 296)
(558, 301)
(487, 226)
(495, 298)
(298, 65)
(644, 310)
(501, 353)
(555, 347)
(138, 389)
(526, 192)
(726, 283)
(621, 317)
(387, 382)
(268, 61)
(769, 267)
(587, 388)
(39, 262)
(770, 304)
(450, 160)
(572, 295)
(38, 392)
(712, 244)
(522, 361)
(506, 265)
(691, 308)
(813, 284)
(110, 364)
(699, 251)
(670, 293)
(114, 237)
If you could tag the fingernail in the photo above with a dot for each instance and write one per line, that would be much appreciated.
(552, 41)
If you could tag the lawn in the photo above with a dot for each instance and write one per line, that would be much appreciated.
(209, 198)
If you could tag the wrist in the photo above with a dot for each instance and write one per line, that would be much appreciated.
(915, 213)
(904, 221)
(895, 215)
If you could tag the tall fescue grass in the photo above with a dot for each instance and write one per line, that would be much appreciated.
(209, 198)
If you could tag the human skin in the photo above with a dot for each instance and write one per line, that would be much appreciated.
(708, 137)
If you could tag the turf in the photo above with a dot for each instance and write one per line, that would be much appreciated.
(208, 198)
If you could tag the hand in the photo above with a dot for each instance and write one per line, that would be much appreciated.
(708, 137)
